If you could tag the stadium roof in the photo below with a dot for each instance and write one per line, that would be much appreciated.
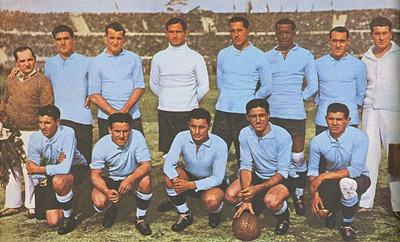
(151, 6)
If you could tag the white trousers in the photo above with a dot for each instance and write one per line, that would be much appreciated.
(382, 128)
(13, 189)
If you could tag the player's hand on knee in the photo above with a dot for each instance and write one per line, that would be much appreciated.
(113, 196)
(125, 186)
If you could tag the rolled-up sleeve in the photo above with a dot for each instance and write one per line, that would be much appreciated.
(246, 159)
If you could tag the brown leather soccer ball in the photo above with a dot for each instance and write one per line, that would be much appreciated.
(246, 227)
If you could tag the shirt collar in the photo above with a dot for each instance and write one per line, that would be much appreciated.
(180, 47)
(269, 135)
(71, 57)
(340, 139)
(342, 58)
(53, 139)
(241, 51)
(111, 55)
(295, 47)
(21, 76)
(206, 143)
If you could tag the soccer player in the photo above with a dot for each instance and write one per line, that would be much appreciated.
(243, 73)
(116, 80)
(381, 108)
(202, 173)
(346, 178)
(52, 156)
(179, 78)
(341, 78)
(68, 73)
(265, 151)
(290, 64)
(24, 93)
(124, 155)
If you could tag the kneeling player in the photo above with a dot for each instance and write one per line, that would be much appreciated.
(52, 155)
(345, 149)
(265, 153)
(120, 161)
(204, 156)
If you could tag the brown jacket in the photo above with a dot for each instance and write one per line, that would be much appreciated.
(22, 100)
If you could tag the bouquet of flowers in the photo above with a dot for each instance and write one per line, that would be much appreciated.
(11, 151)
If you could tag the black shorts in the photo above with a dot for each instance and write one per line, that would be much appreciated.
(169, 125)
(331, 194)
(228, 126)
(192, 193)
(258, 200)
(45, 196)
(84, 137)
(293, 126)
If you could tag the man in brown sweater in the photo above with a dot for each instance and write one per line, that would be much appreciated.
(24, 94)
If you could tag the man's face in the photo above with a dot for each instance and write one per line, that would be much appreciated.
(199, 130)
(381, 36)
(120, 133)
(338, 44)
(285, 35)
(239, 35)
(48, 125)
(114, 41)
(259, 120)
(337, 123)
(175, 34)
(64, 44)
(26, 63)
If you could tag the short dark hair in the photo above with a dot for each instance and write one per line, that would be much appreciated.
(115, 26)
(120, 118)
(338, 107)
(340, 29)
(380, 22)
(50, 110)
(257, 103)
(199, 113)
(62, 28)
(176, 20)
(242, 19)
(285, 21)
(23, 48)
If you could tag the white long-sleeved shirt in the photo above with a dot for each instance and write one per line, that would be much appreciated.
(179, 78)
(383, 75)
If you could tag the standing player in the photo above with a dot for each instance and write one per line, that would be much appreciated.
(346, 177)
(180, 80)
(204, 157)
(243, 73)
(116, 80)
(24, 94)
(290, 64)
(264, 165)
(68, 72)
(121, 163)
(53, 155)
(381, 110)
(341, 78)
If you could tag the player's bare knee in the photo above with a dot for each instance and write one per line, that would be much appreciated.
(145, 184)
(271, 202)
(168, 182)
(231, 196)
(211, 202)
(59, 184)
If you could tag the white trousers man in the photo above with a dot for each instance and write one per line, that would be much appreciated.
(382, 128)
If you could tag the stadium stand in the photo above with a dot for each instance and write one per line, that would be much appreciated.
(208, 31)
